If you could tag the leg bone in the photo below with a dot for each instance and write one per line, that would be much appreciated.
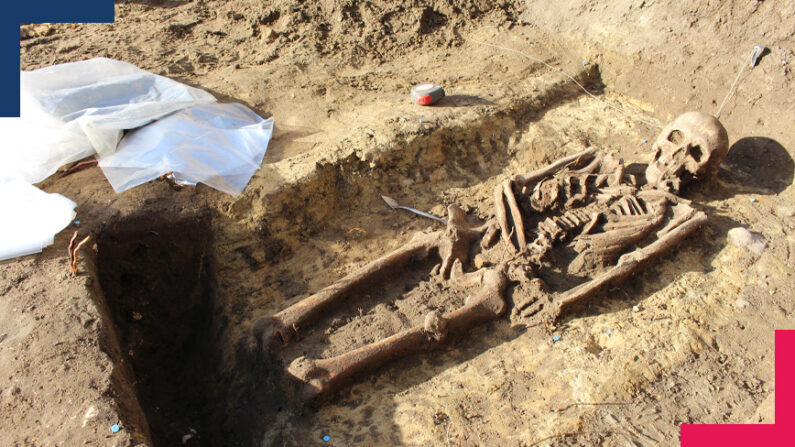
(320, 377)
(284, 325)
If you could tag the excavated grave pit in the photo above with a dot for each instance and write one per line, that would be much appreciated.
(184, 291)
(156, 280)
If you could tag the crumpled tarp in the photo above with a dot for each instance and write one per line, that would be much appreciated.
(220, 145)
(31, 218)
(70, 111)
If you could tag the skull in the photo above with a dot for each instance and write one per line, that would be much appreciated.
(689, 148)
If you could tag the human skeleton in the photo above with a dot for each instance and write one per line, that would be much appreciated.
(581, 224)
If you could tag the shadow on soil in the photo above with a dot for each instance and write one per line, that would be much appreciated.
(759, 165)
(463, 101)
(157, 276)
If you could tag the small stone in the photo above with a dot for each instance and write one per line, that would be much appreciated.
(41, 30)
(440, 418)
(741, 303)
(479, 261)
(635, 308)
(91, 413)
(785, 211)
(268, 35)
(188, 436)
(740, 237)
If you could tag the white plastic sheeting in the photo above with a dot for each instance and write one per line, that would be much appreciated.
(70, 111)
(31, 218)
(220, 145)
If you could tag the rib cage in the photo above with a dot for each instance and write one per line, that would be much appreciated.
(558, 227)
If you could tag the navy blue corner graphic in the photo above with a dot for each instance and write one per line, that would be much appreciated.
(38, 11)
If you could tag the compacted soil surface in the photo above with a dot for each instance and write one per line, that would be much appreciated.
(155, 332)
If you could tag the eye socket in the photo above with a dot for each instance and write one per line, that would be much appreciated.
(696, 152)
(675, 136)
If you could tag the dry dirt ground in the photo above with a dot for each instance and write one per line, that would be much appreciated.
(155, 333)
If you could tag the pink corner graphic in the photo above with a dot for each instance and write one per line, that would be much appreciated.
(781, 433)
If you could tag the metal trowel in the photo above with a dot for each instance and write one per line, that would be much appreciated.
(394, 205)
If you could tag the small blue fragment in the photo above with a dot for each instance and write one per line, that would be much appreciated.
(555, 338)
(421, 119)
(584, 63)
(752, 200)
(77, 222)
(115, 428)
(645, 141)
(327, 438)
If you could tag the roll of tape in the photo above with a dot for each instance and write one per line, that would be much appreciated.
(426, 94)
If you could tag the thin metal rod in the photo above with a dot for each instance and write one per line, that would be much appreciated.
(423, 214)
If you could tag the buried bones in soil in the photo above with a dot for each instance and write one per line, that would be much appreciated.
(558, 234)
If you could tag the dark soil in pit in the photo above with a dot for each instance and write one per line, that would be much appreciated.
(157, 278)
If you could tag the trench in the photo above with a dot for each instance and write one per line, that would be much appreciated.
(184, 290)
(156, 276)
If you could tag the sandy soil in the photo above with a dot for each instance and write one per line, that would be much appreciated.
(155, 333)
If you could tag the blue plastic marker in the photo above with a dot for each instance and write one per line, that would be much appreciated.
(327, 438)
(115, 428)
